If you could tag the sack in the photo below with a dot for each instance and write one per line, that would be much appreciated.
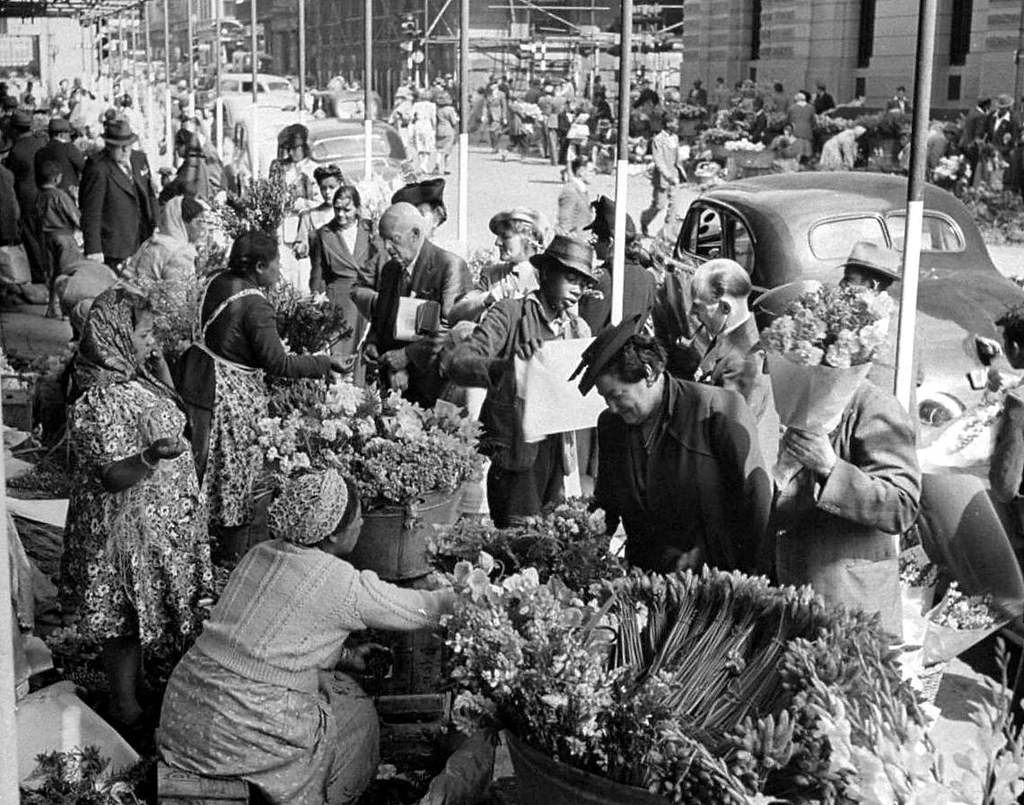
(14, 265)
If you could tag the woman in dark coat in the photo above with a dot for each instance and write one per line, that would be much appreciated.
(221, 378)
(679, 465)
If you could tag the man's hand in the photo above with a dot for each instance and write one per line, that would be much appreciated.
(300, 250)
(360, 659)
(395, 359)
(370, 353)
(811, 450)
(343, 366)
(165, 447)
(400, 380)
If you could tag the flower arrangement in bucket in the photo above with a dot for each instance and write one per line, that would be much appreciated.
(820, 349)
(712, 688)
(394, 450)
(261, 206)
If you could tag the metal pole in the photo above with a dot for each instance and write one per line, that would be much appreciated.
(302, 56)
(218, 104)
(1018, 61)
(464, 122)
(150, 117)
(254, 59)
(168, 134)
(426, 36)
(254, 141)
(8, 704)
(191, 34)
(915, 202)
(622, 164)
(367, 93)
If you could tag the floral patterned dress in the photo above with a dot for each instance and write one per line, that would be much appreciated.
(137, 560)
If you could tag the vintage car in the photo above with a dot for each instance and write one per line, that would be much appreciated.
(790, 227)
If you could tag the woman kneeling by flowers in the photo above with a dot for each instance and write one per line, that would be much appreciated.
(258, 696)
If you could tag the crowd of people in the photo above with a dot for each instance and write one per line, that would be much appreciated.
(167, 462)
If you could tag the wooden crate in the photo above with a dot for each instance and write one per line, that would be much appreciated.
(17, 403)
(414, 730)
(176, 787)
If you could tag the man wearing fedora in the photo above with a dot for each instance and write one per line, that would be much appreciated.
(524, 477)
(21, 162)
(60, 150)
(975, 132)
(1003, 128)
(116, 198)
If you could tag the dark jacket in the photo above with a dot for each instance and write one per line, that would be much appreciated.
(838, 536)
(705, 483)
(437, 275)
(21, 161)
(10, 211)
(638, 295)
(331, 260)
(70, 159)
(1006, 469)
(118, 213)
(487, 360)
(975, 127)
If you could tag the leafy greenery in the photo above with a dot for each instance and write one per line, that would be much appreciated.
(81, 777)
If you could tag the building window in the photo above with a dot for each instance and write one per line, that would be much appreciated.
(755, 30)
(960, 31)
(866, 34)
(860, 87)
(953, 88)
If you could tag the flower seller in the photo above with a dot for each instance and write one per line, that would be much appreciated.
(524, 477)
(137, 557)
(263, 694)
(679, 465)
(220, 377)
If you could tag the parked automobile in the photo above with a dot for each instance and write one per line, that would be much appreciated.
(798, 226)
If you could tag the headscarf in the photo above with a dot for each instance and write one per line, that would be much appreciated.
(172, 224)
(309, 507)
(106, 354)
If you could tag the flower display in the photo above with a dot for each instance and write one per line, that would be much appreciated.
(261, 206)
(394, 450)
(568, 541)
(308, 324)
(699, 688)
(838, 327)
(743, 144)
(958, 611)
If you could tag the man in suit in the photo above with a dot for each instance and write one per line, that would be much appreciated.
(116, 198)
(899, 102)
(823, 100)
(21, 162)
(574, 200)
(975, 132)
(666, 177)
(60, 150)
(342, 253)
(1003, 129)
(730, 355)
(418, 269)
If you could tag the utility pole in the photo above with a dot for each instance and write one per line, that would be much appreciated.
(302, 57)
(464, 122)
(367, 91)
(622, 163)
(1018, 62)
(915, 203)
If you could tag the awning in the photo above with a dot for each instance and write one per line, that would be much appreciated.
(30, 9)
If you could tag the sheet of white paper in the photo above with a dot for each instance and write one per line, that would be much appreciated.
(50, 512)
(405, 321)
(551, 402)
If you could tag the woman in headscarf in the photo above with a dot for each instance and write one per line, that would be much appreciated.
(137, 558)
(170, 252)
(221, 379)
(258, 696)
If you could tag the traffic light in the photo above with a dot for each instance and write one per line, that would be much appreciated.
(104, 39)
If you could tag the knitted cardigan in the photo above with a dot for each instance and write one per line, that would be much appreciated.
(287, 609)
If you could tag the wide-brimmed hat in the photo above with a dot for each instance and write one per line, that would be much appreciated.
(500, 220)
(21, 120)
(1004, 101)
(58, 125)
(875, 259)
(567, 254)
(118, 132)
(603, 349)
(429, 192)
(603, 224)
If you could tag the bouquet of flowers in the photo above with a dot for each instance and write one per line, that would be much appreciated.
(821, 349)
(308, 324)
(957, 623)
(394, 450)
(262, 206)
(176, 307)
(569, 541)
(688, 111)
(743, 145)
(719, 136)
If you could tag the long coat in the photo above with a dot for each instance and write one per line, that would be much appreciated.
(21, 162)
(839, 536)
(704, 484)
(70, 159)
(10, 212)
(118, 213)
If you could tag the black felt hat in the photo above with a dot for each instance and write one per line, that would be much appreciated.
(429, 192)
(606, 346)
(603, 224)
(567, 254)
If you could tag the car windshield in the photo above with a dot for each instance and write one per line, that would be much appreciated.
(267, 86)
(833, 239)
(350, 146)
(938, 233)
